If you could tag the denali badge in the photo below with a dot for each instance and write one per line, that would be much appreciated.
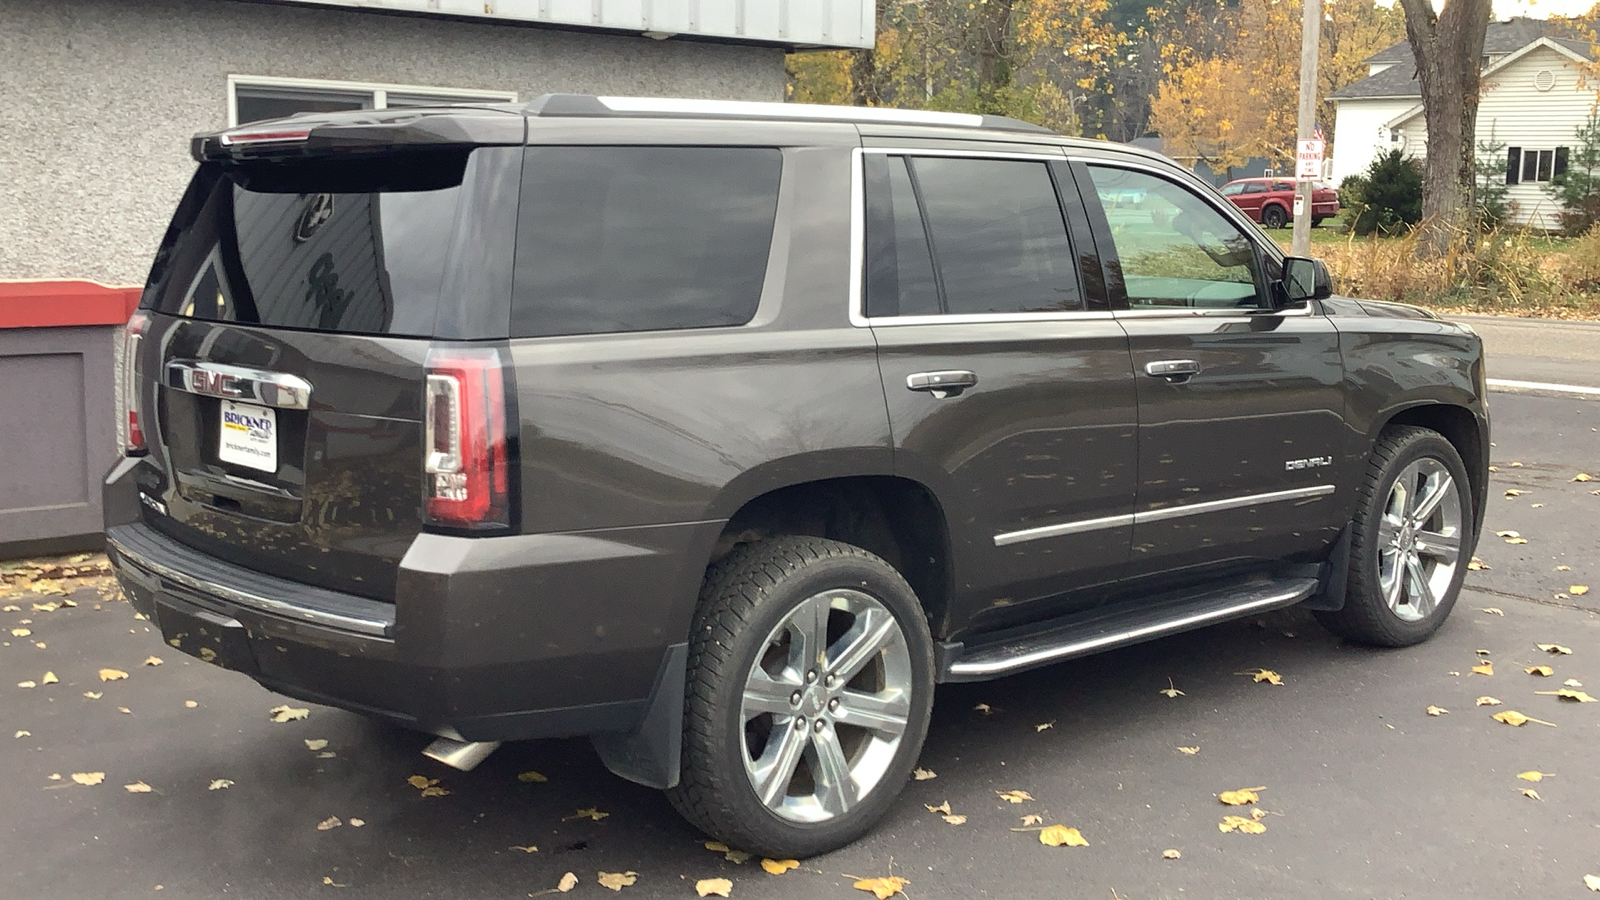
(317, 214)
(1311, 463)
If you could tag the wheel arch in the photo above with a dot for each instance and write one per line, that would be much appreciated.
(1464, 430)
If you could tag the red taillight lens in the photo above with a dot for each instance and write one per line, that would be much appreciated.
(465, 467)
(130, 424)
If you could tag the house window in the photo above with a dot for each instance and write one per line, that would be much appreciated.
(252, 99)
(1535, 165)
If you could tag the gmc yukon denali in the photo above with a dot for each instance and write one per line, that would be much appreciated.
(721, 433)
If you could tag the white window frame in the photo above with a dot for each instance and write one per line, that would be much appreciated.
(380, 92)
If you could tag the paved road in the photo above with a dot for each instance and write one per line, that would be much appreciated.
(1541, 350)
(1368, 796)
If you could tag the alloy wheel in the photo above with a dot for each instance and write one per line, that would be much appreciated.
(1419, 539)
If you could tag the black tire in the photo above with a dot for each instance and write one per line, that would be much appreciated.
(1316, 221)
(1367, 616)
(1273, 217)
(744, 598)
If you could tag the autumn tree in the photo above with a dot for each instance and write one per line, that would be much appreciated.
(1448, 46)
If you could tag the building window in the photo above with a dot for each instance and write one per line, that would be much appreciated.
(1535, 165)
(252, 99)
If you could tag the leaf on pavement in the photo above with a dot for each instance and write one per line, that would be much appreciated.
(1438, 711)
(941, 808)
(713, 887)
(528, 849)
(1512, 717)
(1530, 792)
(567, 882)
(329, 823)
(779, 866)
(982, 709)
(112, 674)
(1240, 797)
(1062, 836)
(1044, 725)
(1486, 701)
(281, 714)
(954, 819)
(1476, 565)
(1260, 675)
(1171, 690)
(882, 888)
(357, 823)
(1507, 534)
(94, 695)
(618, 880)
(1513, 492)
(1541, 671)
(49, 678)
(1556, 649)
(1534, 775)
(1171, 854)
(1241, 825)
(21, 632)
(218, 784)
(27, 684)
(88, 779)
(22, 734)
(1516, 540)
(592, 813)
(1494, 610)
(152, 660)
(737, 857)
(316, 743)
(531, 777)
(138, 787)
(1572, 682)
(1569, 694)
(1592, 882)
(1583, 476)
(1014, 796)
(923, 774)
(1032, 819)
(1484, 668)
(328, 880)
(1578, 590)
(190, 704)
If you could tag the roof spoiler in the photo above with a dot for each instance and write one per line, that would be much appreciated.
(364, 131)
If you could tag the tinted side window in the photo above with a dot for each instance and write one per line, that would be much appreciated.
(999, 239)
(1175, 249)
(616, 239)
(900, 280)
(1255, 187)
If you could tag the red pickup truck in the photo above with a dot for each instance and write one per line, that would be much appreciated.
(1269, 200)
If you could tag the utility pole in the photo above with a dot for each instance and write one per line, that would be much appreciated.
(1310, 35)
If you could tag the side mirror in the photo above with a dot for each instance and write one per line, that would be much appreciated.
(1305, 279)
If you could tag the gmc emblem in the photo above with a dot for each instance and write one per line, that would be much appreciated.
(214, 383)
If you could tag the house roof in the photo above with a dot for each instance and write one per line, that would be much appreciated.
(1577, 51)
(1502, 39)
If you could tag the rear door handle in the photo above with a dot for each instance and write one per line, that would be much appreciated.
(1176, 371)
(944, 384)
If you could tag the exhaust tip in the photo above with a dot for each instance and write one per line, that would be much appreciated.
(463, 755)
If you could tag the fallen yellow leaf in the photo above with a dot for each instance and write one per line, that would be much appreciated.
(955, 819)
(1241, 796)
(1530, 792)
(1188, 751)
(941, 808)
(190, 704)
(1476, 565)
(1516, 540)
(1171, 854)
(357, 823)
(1014, 796)
(23, 734)
(1438, 711)
(1032, 819)
(1062, 836)
(618, 880)
(1582, 476)
(592, 813)
(923, 774)
(882, 888)
(982, 709)
(434, 791)
(1572, 682)
(1512, 717)
(316, 743)
(1507, 534)
(49, 678)
(528, 849)
(328, 880)
(88, 779)
(737, 857)
(1578, 590)
(531, 777)
(1171, 690)
(1484, 668)
(1533, 775)
(329, 823)
(1044, 725)
(281, 714)
(152, 660)
(21, 632)
(713, 887)
(112, 674)
(1260, 675)
(1555, 648)
(1592, 882)
(138, 787)
(567, 883)
(27, 684)
(1541, 671)
(421, 781)
(1568, 694)
(1487, 701)
(94, 695)
(779, 866)
(1563, 568)
(1494, 610)
(218, 784)
(1513, 492)
(1240, 824)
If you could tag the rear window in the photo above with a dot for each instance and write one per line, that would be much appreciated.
(614, 239)
(350, 246)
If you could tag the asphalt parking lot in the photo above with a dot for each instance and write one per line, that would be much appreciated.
(1365, 794)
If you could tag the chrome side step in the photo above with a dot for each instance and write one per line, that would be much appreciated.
(1123, 624)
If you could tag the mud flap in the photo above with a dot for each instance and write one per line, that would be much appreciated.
(650, 754)
(1331, 597)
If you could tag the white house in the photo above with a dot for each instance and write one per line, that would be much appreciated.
(1533, 100)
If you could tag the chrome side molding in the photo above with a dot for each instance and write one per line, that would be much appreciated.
(275, 389)
(1159, 515)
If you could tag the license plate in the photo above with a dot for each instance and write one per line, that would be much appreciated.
(249, 436)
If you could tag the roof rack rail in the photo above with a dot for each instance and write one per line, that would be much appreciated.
(579, 105)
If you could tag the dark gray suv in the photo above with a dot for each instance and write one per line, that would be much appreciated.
(723, 432)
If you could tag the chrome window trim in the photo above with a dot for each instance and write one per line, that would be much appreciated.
(1228, 211)
(858, 251)
(1160, 515)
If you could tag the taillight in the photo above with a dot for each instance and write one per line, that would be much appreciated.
(465, 467)
(130, 425)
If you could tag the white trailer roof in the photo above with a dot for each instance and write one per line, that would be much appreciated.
(787, 23)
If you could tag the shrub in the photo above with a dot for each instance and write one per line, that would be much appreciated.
(1578, 187)
(1388, 198)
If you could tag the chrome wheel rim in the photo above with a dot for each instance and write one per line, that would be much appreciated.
(825, 706)
(1419, 539)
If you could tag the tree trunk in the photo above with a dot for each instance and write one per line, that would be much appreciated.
(1448, 47)
(994, 53)
(864, 84)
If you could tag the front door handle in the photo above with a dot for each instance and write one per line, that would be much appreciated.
(1176, 371)
(942, 384)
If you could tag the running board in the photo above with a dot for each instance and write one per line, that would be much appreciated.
(1125, 623)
